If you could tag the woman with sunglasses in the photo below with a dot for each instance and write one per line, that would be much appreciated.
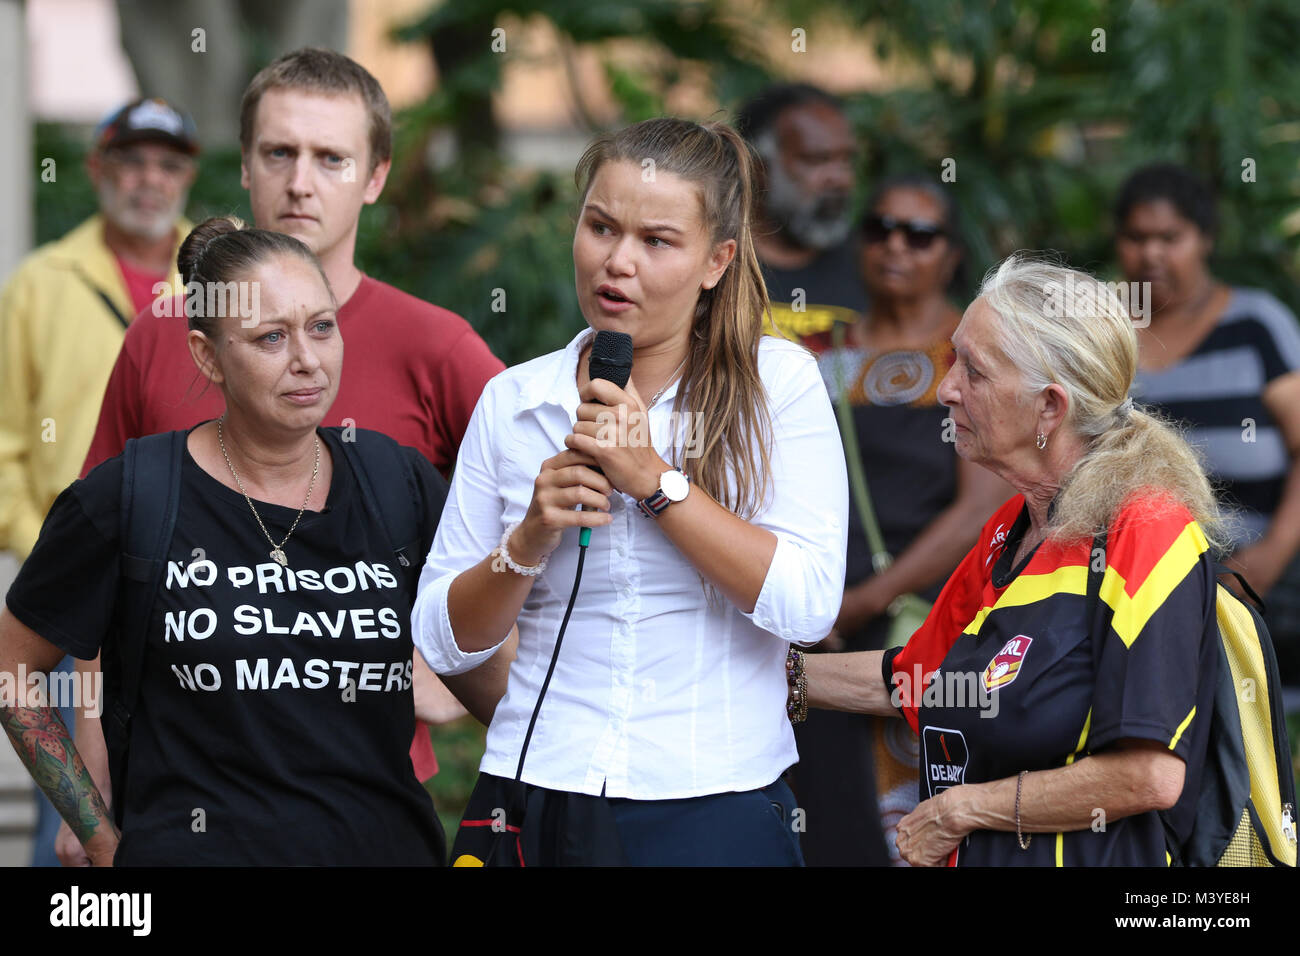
(883, 372)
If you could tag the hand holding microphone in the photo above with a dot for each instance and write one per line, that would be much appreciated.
(566, 481)
(612, 424)
(574, 477)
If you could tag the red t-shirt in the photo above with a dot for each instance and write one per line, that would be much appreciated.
(140, 283)
(411, 370)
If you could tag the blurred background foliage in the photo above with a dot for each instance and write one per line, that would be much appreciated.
(1042, 107)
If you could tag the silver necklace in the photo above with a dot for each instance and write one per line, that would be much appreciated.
(277, 550)
(671, 378)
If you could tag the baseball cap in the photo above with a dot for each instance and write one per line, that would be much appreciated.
(153, 120)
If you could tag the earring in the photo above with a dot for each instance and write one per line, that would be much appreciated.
(1041, 441)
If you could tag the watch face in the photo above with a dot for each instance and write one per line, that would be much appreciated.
(674, 485)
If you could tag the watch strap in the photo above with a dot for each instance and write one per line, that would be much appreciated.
(657, 503)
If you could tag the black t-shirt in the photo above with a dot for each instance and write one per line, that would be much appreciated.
(807, 300)
(1024, 632)
(832, 278)
(276, 711)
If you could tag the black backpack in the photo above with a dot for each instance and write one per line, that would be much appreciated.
(151, 483)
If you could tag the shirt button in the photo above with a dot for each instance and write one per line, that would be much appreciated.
(622, 551)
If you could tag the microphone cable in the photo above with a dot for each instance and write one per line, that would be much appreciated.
(555, 654)
(610, 359)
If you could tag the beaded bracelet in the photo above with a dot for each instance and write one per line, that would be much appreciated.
(796, 707)
(1021, 839)
(503, 559)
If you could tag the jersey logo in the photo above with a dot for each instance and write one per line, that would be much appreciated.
(996, 543)
(944, 756)
(1005, 666)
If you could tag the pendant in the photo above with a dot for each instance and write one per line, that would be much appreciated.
(280, 558)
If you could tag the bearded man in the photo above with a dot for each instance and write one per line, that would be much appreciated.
(804, 239)
(65, 308)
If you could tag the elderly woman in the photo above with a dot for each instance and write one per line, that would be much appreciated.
(275, 702)
(1052, 713)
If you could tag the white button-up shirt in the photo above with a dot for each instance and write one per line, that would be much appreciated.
(658, 694)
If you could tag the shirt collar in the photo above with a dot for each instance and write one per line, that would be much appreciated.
(556, 380)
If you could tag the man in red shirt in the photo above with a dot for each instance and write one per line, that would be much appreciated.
(316, 144)
(315, 133)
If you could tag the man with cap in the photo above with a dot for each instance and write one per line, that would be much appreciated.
(64, 311)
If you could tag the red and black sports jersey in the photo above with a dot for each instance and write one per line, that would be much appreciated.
(1020, 686)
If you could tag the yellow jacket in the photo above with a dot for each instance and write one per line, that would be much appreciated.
(58, 343)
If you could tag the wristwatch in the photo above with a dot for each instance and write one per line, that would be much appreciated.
(673, 486)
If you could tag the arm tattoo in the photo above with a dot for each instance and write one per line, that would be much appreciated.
(46, 748)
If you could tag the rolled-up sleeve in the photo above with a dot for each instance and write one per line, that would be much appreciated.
(809, 502)
(470, 527)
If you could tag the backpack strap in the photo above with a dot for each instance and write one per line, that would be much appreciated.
(383, 473)
(151, 480)
(1221, 569)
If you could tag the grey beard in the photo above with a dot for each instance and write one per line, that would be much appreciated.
(151, 228)
(813, 231)
(803, 219)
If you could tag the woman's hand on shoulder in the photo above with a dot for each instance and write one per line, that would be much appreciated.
(565, 482)
(613, 428)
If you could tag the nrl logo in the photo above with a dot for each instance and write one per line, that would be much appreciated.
(1005, 666)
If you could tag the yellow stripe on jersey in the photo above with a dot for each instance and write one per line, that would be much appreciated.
(1181, 727)
(1032, 588)
(1083, 739)
(1132, 613)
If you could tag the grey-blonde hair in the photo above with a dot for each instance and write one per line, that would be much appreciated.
(1060, 326)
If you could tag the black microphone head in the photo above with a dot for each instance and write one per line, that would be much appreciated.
(611, 357)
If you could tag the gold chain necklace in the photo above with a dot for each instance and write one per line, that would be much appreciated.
(277, 550)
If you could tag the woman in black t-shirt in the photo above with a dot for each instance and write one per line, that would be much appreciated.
(275, 706)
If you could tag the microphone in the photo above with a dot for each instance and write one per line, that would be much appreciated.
(611, 359)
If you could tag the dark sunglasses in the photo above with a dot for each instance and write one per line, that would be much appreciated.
(919, 235)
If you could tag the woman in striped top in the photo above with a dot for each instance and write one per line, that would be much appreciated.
(1225, 362)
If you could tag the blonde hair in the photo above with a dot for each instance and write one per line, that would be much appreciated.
(1059, 326)
(720, 382)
